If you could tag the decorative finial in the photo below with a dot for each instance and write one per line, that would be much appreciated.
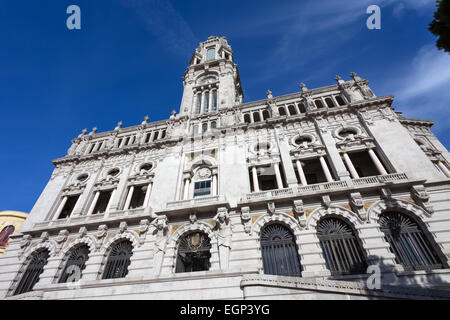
(145, 120)
(269, 94)
(173, 114)
(94, 130)
(83, 132)
(355, 76)
(119, 125)
(337, 78)
(303, 87)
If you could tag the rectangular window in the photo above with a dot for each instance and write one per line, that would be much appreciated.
(211, 54)
(102, 202)
(137, 200)
(202, 189)
(214, 100)
(68, 207)
(207, 102)
(199, 104)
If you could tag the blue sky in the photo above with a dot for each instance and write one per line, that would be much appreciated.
(128, 59)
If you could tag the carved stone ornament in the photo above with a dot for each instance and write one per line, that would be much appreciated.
(299, 212)
(123, 227)
(25, 242)
(143, 228)
(422, 198)
(357, 205)
(82, 232)
(271, 207)
(246, 219)
(204, 173)
(44, 237)
(192, 218)
(326, 200)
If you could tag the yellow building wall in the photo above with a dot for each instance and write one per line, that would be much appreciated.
(11, 218)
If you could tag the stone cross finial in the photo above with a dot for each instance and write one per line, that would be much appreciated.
(303, 87)
(269, 94)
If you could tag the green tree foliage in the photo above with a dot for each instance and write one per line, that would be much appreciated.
(440, 26)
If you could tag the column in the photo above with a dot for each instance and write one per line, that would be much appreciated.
(60, 208)
(123, 142)
(255, 180)
(210, 100)
(301, 173)
(377, 162)
(297, 108)
(186, 188)
(94, 202)
(147, 194)
(326, 171)
(214, 185)
(252, 120)
(96, 146)
(202, 104)
(350, 166)
(128, 201)
(443, 168)
(278, 175)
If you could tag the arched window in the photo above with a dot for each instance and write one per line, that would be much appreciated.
(341, 249)
(198, 107)
(204, 127)
(118, 260)
(412, 248)
(339, 100)
(281, 111)
(329, 103)
(213, 125)
(319, 104)
(4, 235)
(31, 275)
(266, 115)
(194, 253)
(256, 117)
(247, 118)
(75, 264)
(292, 110)
(302, 108)
(279, 251)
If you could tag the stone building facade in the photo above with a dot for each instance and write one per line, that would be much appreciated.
(290, 197)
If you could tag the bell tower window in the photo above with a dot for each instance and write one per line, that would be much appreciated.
(211, 54)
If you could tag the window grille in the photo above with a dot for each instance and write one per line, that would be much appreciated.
(408, 242)
(279, 251)
(118, 260)
(341, 249)
(76, 263)
(31, 275)
(194, 253)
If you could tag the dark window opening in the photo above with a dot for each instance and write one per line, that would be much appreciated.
(31, 275)
(329, 103)
(279, 251)
(302, 108)
(137, 200)
(247, 118)
(319, 104)
(68, 207)
(339, 100)
(313, 171)
(266, 115)
(147, 137)
(411, 246)
(156, 136)
(292, 110)
(363, 164)
(204, 127)
(102, 202)
(75, 264)
(194, 253)
(256, 117)
(213, 125)
(341, 248)
(281, 111)
(118, 260)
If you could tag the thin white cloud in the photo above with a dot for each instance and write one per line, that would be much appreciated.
(423, 91)
(165, 23)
